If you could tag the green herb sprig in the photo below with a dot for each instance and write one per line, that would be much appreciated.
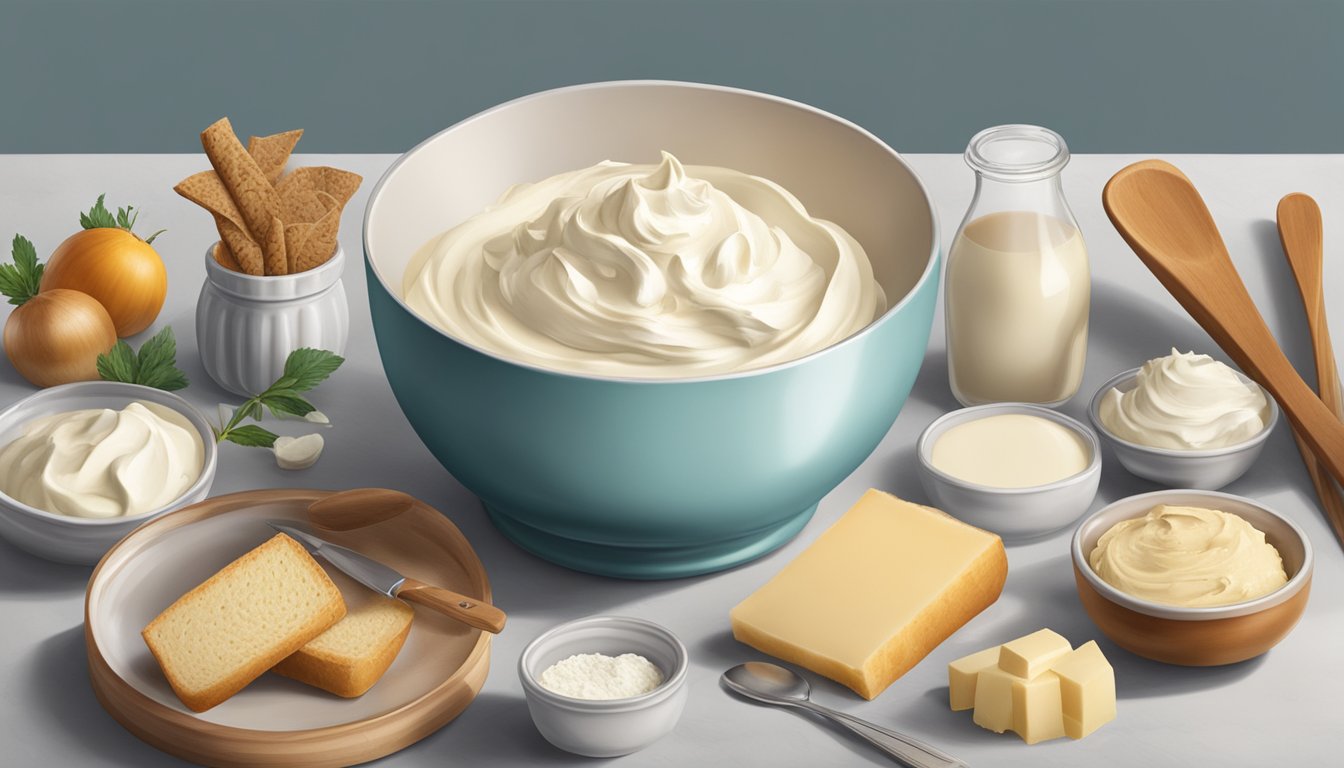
(21, 280)
(304, 369)
(154, 366)
(99, 217)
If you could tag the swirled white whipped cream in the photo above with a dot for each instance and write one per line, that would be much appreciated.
(100, 462)
(646, 271)
(1186, 401)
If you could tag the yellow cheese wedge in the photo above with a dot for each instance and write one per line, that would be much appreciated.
(875, 593)
(1036, 708)
(962, 674)
(1087, 689)
(1031, 655)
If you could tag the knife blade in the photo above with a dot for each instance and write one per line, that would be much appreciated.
(387, 581)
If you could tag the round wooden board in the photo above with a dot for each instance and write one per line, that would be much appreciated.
(277, 721)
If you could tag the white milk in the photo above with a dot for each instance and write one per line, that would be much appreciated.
(1011, 450)
(1018, 291)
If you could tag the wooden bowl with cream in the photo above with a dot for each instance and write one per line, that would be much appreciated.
(1201, 636)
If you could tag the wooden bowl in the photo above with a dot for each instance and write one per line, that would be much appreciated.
(1195, 637)
(277, 721)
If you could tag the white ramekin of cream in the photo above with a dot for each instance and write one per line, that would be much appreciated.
(1020, 470)
(82, 464)
(1184, 420)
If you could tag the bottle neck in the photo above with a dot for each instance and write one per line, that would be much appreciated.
(1044, 196)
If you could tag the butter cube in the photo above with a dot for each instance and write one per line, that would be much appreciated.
(1036, 708)
(1031, 655)
(1087, 689)
(962, 674)
(994, 699)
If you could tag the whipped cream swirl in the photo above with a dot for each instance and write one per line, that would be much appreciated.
(103, 463)
(646, 271)
(1188, 556)
(1186, 401)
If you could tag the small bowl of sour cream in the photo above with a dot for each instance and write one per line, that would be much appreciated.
(1017, 469)
(1184, 420)
(605, 686)
(83, 464)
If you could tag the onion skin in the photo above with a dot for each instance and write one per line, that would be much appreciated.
(56, 337)
(118, 269)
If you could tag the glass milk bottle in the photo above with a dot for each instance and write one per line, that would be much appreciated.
(1017, 282)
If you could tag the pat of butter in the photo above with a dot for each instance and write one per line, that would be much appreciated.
(962, 674)
(1037, 715)
(1087, 687)
(1031, 655)
(1073, 697)
(869, 599)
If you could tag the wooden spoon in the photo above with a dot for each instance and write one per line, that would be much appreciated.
(1301, 234)
(1161, 215)
(358, 508)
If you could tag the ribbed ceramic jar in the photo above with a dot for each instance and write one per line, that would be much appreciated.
(246, 325)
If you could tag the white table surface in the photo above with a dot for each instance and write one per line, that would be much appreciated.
(1285, 703)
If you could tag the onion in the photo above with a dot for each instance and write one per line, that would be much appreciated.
(56, 337)
(115, 267)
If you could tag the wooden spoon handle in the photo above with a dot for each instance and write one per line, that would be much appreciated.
(1163, 218)
(358, 508)
(467, 610)
(1302, 236)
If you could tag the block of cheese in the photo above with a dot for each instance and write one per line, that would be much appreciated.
(962, 675)
(1031, 655)
(1037, 715)
(1073, 695)
(877, 591)
(1087, 689)
(242, 621)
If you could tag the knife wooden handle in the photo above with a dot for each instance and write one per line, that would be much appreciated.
(467, 610)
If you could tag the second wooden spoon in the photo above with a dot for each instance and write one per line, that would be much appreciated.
(1163, 218)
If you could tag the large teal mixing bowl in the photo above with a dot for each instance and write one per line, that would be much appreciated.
(653, 479)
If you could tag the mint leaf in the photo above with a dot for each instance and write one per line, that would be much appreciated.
(251, 436)
(98, 217)
(309, 367)
(288, 404)
(118, 364)
(155, 365)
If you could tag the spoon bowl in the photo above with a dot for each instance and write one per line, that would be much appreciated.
(767, 682)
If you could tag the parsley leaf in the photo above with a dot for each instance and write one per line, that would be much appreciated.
(155, 365)
(20, 281)
(98, 217)
(251, 436)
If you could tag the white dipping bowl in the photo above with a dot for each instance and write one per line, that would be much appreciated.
(1205, 470)
(1015, 514)
(82, 540)
(611, 727)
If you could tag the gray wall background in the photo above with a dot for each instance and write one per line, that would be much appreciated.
(366, 76)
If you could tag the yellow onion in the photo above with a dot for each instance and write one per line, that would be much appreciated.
(56, 337)
(115, 267)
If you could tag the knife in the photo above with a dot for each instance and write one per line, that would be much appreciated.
(380, 578)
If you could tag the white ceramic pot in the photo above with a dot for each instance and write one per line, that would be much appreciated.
(246, 325)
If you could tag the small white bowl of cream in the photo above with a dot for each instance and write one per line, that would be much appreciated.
(1184, 420)
(605, 686)
(1019, 470)
(83, 464)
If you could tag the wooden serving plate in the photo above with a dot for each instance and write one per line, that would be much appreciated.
(277, 721)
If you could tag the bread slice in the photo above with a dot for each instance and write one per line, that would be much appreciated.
(242, 621)
(351, 656)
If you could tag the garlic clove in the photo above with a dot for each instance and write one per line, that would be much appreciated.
(317, 417)
(297, 452)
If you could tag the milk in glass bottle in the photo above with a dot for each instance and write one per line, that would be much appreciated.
(1017, 283)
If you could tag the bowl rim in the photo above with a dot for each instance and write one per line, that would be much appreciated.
(671, 683)
(1281, 595)
(1125, 377)
(321, 276)
(931, 270)
(134, 392)
(924, 447)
